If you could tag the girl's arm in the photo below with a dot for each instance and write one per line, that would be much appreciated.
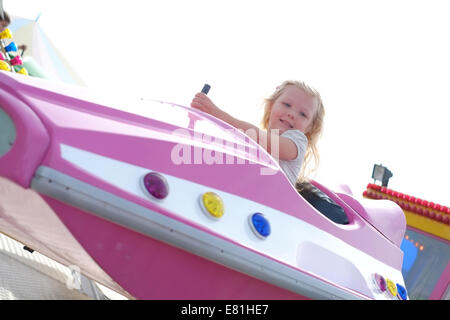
(287, 150)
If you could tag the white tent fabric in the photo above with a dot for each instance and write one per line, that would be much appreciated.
(32, 276)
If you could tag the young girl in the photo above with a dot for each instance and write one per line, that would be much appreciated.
(293, 114)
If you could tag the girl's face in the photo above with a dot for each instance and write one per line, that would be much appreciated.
(293, 109)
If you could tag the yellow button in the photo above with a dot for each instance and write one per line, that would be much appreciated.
(392, 288)
(212, 204)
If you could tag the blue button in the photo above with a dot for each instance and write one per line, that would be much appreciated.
(260, 225)
(402, 292)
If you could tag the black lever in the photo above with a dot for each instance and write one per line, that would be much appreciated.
(206, 88)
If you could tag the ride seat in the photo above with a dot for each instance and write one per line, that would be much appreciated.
(321, 202)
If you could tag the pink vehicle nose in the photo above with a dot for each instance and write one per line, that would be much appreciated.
(26, 151)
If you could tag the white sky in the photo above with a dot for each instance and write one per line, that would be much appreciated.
(382, 68)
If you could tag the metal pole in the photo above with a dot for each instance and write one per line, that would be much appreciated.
(1, 10)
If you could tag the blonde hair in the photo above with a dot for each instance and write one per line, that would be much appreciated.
(312, 159)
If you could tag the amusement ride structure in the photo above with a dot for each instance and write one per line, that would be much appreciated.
(160, 201)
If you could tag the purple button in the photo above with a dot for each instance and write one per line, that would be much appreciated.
(381, 283)
(156, 185)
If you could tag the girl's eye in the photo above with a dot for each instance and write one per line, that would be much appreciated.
(303, 115)
(286, 104)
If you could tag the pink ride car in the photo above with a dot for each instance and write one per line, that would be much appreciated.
(160, 201)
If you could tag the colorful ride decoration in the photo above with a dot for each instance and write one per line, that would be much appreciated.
(42, 59)
(424, 215)
(426, 246)
(10, 59)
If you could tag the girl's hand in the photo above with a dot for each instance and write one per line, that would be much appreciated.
(202, 102)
